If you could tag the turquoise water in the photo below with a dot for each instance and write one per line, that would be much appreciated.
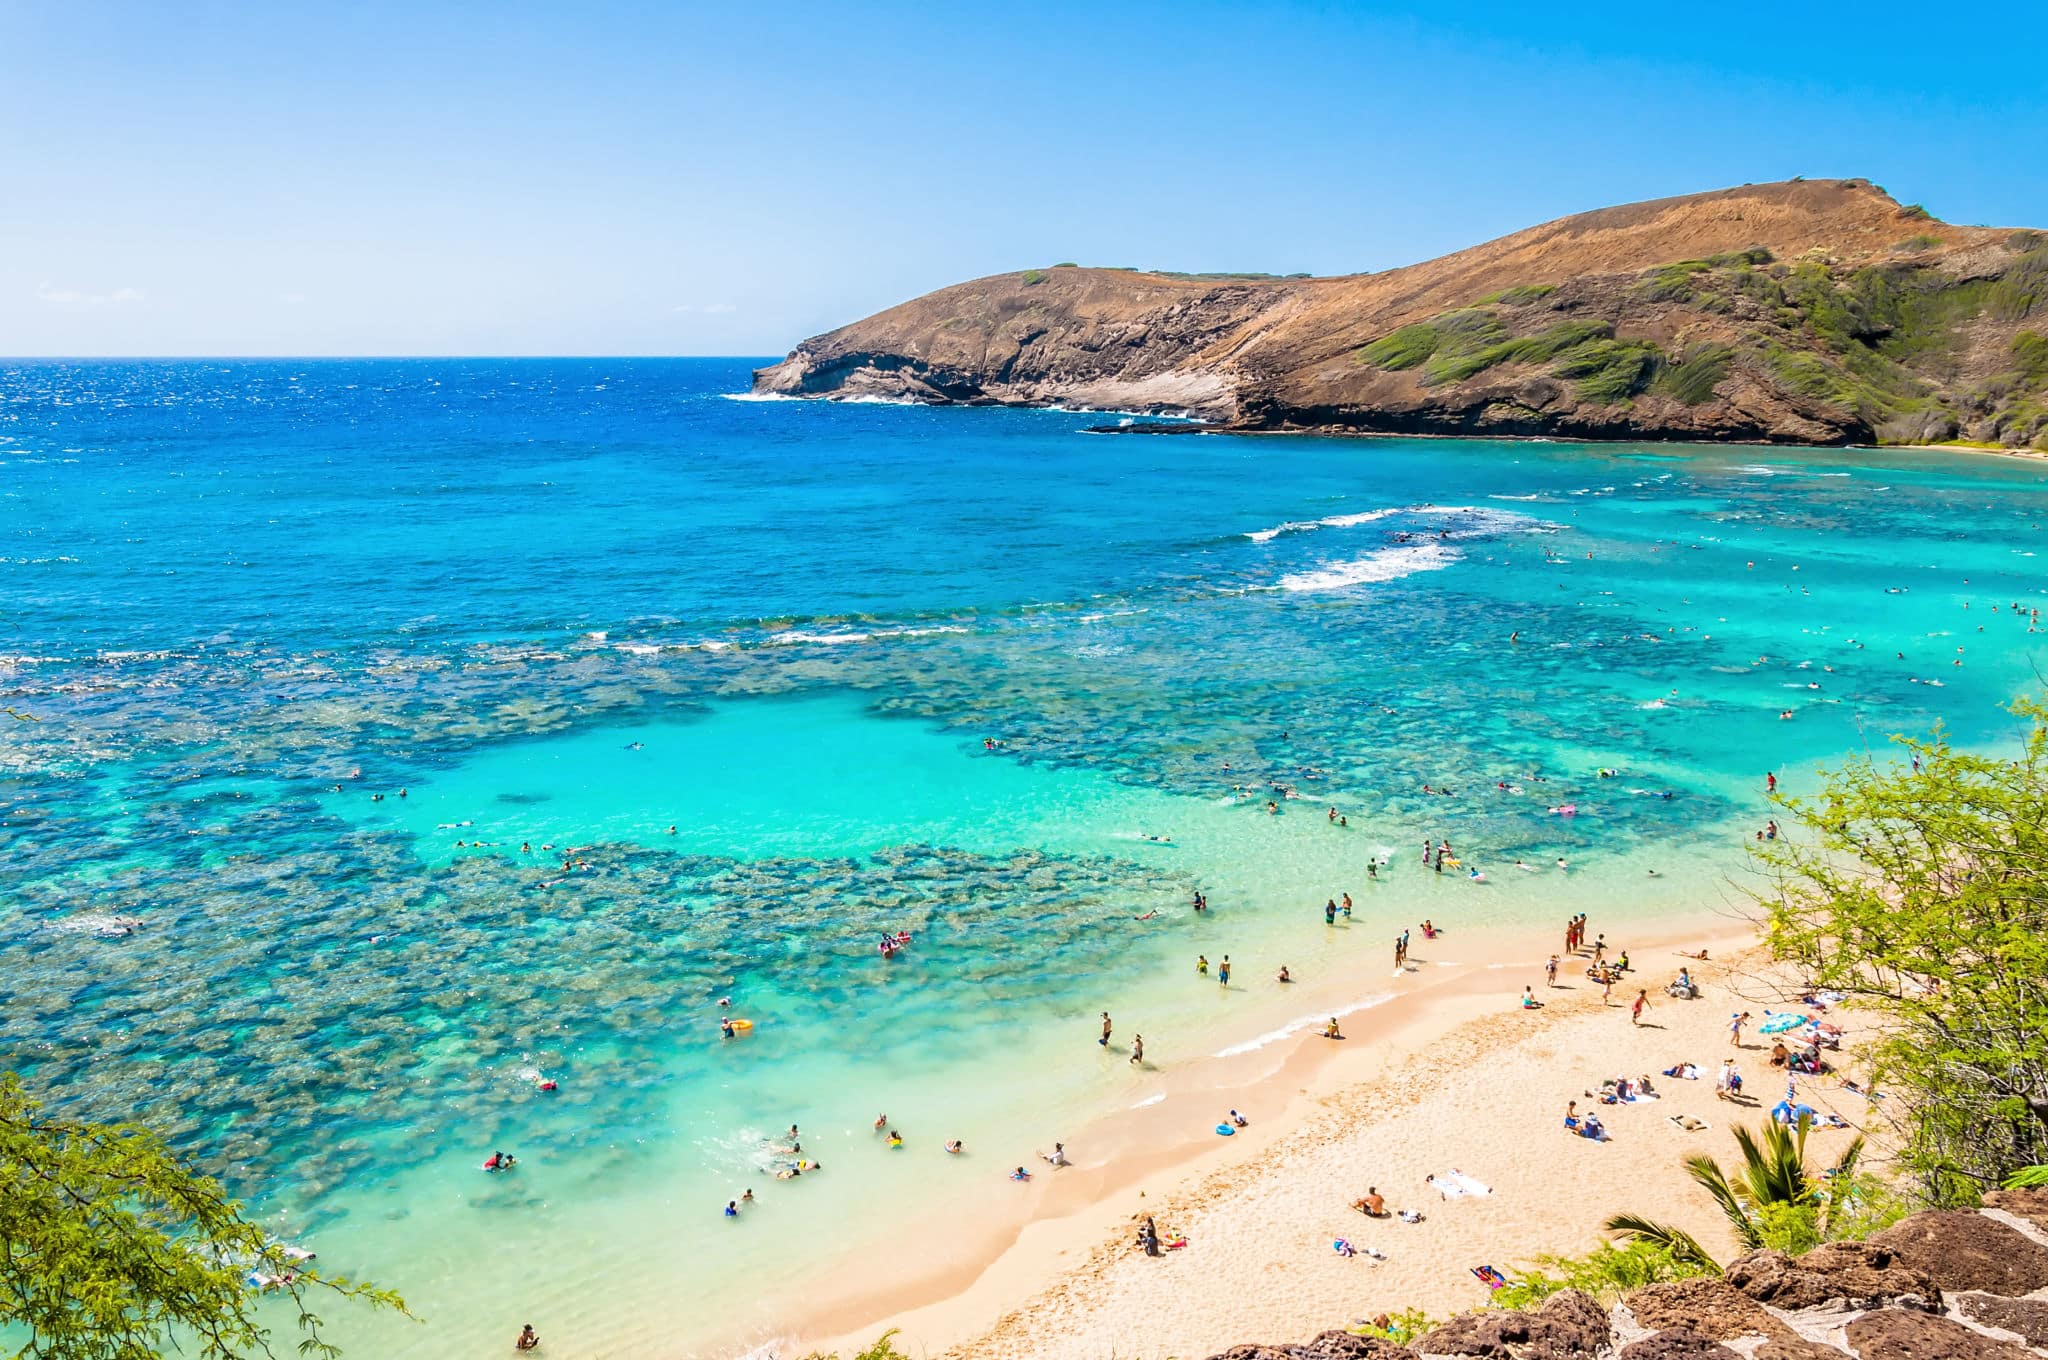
(569, 605)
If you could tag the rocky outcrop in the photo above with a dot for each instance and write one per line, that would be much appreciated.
(1960, 1250)
(1938, 1286)
(1569, 1326)
(1812, 311)
(1861, 1274)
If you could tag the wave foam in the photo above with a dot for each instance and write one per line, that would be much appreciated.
(1388, 564)
(1299, 1025)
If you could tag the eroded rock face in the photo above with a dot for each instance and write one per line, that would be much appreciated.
(1861, 1273)
(1677, 1343)
(1709, 1307)
(1961, 1250)
(1897, 1334)
(1569, 1326)
(2026, 1317)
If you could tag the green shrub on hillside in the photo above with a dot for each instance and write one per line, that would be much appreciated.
(1693, 375)
(1610, 371)
(1518, 297)
(1914, 210)
(2024, 287)
(1913, 243)
(1607, 1272)
(1458, 365)
(1404, 348)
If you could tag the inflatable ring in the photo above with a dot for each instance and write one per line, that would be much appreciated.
(1225, 1130)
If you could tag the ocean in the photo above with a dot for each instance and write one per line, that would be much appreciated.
(386, 739)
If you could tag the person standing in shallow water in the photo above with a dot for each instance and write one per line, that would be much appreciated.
(1137, 1050)
(1223, 971)
(1104, 1040)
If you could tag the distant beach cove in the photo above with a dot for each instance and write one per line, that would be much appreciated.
(418, 760)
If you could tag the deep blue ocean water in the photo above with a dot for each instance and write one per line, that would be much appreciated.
(569, 605)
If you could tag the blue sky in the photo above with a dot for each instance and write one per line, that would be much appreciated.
(587, 178)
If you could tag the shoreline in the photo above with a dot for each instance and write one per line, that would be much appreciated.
(1193, 420)
(968, 1275)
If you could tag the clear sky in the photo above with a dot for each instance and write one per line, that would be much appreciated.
(591, 178)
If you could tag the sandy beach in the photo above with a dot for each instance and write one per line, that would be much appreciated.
(1456, 1076)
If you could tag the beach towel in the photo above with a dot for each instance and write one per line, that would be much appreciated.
(1640, 1096)
(1472, 1187)
(1689, 1124)
(1447, 1187)
(1490, 1277)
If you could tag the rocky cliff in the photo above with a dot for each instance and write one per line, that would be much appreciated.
(1937, 1286)
(1816, 311)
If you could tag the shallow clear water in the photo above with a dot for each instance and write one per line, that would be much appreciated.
(574, 604)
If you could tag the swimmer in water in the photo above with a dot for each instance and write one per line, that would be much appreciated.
(1283, 974)
(954, 1147)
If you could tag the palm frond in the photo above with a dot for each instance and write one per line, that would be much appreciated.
(1682, 1245)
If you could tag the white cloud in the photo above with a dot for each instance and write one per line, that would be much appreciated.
(74, 298)
(708, 309)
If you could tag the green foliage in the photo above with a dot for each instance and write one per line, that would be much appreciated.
(2028, 1178)
(1448, 339)
(1607, 1272)
(1519, 297)
(1402, 1327)
(883, 1349)
(109, 1249)
(2030, 358)
(1924, 897)
(1680, 280)
(1066, 264)
(1771, 1194)
(1912, 243)
(1693, 376)
(1033, 276)
(1609, 371)
(1460, 364)
(2023, 288)
(1404, 348)
(1916, 212)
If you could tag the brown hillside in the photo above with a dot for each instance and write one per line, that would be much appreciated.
(1814, 311)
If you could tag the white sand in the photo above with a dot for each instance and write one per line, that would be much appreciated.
(1468, 1082)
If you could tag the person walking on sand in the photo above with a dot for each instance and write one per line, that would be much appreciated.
(1735, 1028)
(1137, 1050)
(1104, 1040)
(1642, 1003)
(1550, 971)
(1607, 989)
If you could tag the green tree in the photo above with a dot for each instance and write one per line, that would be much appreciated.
(1772, 1200)
(1923, 895)
(112, 1250)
